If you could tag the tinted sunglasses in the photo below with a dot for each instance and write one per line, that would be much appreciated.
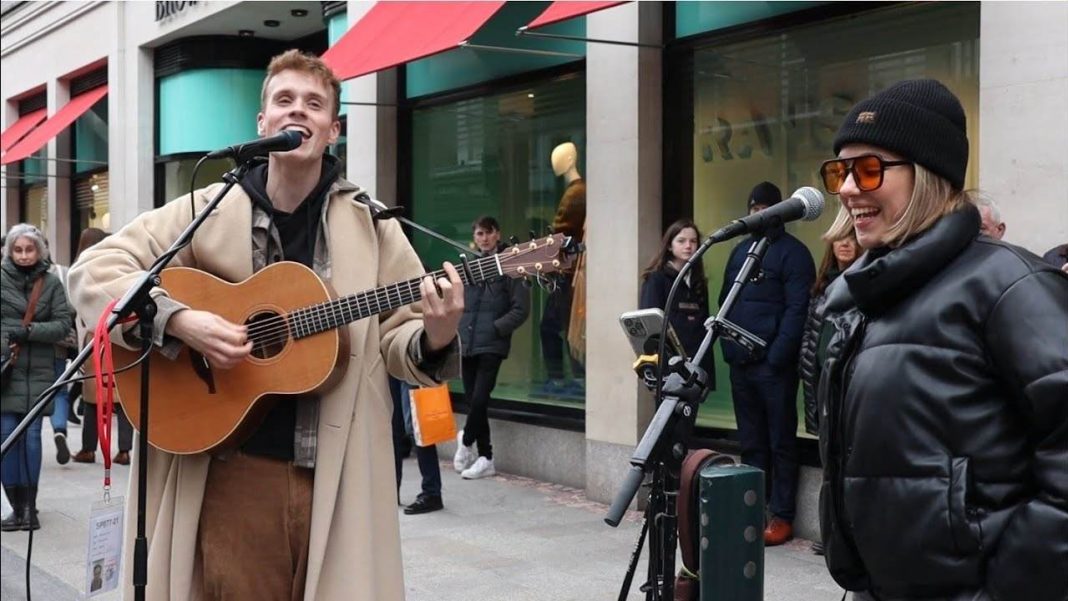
(867, 172)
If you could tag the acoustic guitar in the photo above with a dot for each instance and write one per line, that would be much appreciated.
(295, 323)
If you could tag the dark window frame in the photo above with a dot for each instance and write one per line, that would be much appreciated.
(678, 123)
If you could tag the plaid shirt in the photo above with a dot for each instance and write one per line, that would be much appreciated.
(267, 249)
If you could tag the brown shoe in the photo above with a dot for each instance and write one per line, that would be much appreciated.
(84, 457)
(778, 532)
(122, 458)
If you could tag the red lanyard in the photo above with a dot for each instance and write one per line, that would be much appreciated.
(104, 368)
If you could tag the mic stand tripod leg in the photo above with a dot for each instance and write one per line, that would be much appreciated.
(145, 316)
(624, 590)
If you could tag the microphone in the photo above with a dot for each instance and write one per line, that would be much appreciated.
(806, 204)
(283, 141)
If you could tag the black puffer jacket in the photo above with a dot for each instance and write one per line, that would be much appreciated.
(492, 311)
(944, 421)
(808, 367)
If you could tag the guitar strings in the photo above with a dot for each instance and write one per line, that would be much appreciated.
(277, 329)
(354, 303)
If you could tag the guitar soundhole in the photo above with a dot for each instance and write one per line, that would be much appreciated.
(269, 334)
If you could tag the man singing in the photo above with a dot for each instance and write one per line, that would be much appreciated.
(305, 508)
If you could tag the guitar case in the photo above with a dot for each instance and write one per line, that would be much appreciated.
(687, 508)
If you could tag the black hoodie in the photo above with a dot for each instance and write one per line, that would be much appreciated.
(297, 232)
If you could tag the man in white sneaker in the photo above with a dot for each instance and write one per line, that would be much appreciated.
(492, 311)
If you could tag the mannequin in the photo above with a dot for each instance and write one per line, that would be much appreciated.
(570, 219)
(564, 160)
(570, 216)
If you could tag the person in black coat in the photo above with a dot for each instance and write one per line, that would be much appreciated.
(690, 309)
(492, 311)
(944, 390)
(773, 306)
(837, 257)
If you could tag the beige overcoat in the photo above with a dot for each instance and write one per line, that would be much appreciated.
(355, 543)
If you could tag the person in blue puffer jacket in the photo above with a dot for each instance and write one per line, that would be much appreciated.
(773, 305)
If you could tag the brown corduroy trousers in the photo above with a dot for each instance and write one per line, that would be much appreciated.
(254, 529)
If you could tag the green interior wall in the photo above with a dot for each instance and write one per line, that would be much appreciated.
(204, 109)
(699, 17)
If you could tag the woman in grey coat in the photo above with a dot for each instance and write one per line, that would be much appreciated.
(25, 262)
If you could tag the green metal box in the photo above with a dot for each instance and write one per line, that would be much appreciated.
(732, 533)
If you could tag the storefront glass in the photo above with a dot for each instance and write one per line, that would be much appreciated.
(491, 156)
(768, 109)
(90, 205)
(90, 187)
(178, 175)
(33, 190)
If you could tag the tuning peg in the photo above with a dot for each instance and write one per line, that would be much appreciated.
(513, 240)
(527, 283)
(549, 230)
(533, 235)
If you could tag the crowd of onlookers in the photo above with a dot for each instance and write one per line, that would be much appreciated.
(39, 334)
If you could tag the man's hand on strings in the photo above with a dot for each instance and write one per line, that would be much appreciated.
(223, 344)
(443, 306)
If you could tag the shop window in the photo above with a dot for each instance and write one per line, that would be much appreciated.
(178, 175)
(91, 138)
(490, 155)
(90, 204)
(33, 207)
(768, 109)
(33, 190)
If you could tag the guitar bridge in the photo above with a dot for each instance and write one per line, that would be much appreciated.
(203, 370)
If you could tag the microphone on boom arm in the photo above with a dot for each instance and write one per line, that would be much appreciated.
(805, 204)
(283, 141)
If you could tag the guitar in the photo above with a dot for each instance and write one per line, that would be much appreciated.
(295, 323)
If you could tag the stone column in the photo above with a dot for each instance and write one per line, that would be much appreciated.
(372, 127)
(1023, 92)
(623, 164)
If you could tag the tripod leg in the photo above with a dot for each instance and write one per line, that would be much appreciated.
(624, 590)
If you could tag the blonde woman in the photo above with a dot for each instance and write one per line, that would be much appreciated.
(944, 413)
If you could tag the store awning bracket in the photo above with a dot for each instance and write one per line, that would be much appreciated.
(574, 38)
(468, 44)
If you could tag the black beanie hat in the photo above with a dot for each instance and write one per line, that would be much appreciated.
(765, 193)
(919, 119)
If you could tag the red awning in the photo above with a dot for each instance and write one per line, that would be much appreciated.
(55, 124)
(393, 33)
(20, 128)
(562, 11)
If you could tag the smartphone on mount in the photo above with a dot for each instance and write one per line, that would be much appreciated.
(643, 327)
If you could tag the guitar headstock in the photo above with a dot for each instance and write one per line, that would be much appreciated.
(539, 257)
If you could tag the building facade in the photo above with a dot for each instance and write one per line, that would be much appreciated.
(700, 101)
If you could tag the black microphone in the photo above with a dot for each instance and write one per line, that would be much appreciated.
(806, 204)
(281, 142)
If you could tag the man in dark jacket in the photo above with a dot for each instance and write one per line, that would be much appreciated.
(492, 311)
(773, 306)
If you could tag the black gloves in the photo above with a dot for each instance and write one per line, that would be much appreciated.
(18, 335)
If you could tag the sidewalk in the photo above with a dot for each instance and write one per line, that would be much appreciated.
(500, 539)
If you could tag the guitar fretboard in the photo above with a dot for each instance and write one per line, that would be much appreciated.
(335, 313)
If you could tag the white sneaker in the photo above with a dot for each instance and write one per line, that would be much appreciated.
(465, 455)
(483, 468)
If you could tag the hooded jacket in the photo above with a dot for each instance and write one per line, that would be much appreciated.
(944, 421)
(493, 309)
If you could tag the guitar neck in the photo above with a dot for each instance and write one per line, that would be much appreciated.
(341, 311)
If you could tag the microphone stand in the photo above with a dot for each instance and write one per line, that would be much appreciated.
(136, 300)
(665, 443)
